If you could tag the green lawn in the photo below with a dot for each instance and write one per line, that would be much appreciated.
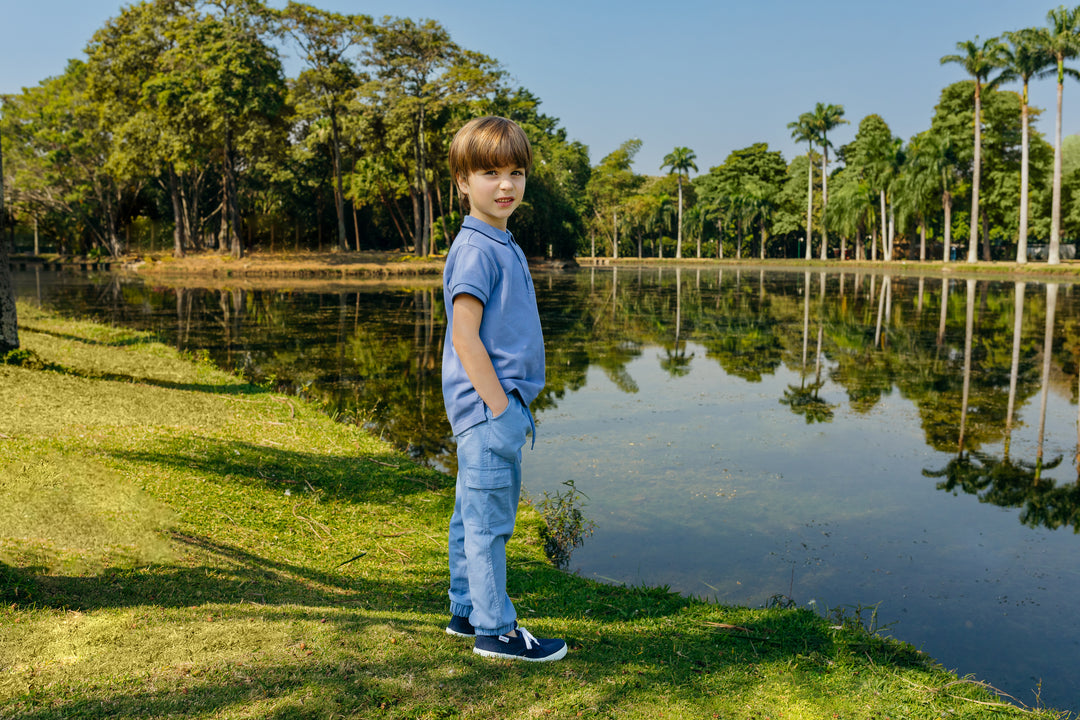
(176, 543)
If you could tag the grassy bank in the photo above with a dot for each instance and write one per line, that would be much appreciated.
(176, 543)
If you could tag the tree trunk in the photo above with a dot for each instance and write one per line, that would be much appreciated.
(179, 235)
(884, 231)
(339, 195)
(986, 235)
(809, 202)
(1021, 244)
(678, 232)
(615, 236)
(1054, 256)
(824, 201)
(922, 238)
(946, 201)
(9, 321)
(423, 227)
(892, 233)
(976, 175)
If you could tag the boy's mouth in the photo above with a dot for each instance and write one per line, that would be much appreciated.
(505, 201)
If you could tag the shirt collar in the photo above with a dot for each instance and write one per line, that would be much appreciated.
(502, 236)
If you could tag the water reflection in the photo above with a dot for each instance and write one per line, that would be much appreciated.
(741, 433)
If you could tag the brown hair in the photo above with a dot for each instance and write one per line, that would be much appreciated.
(486, 143)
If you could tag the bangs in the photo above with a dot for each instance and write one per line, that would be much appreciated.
(487, 143)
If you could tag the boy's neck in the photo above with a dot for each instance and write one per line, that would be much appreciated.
(489, 223)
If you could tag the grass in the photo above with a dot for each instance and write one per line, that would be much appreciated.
(176, 543)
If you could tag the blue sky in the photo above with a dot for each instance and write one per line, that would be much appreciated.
(713, 76)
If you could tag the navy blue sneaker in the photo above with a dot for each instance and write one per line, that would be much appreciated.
(523, 646)
(460, 626)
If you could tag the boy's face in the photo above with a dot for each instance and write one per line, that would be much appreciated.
(493, 194)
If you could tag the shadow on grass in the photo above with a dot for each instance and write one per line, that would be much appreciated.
(83, 340)
(234, 576)
(351, 478)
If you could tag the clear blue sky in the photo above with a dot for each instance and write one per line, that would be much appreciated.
(713, 75)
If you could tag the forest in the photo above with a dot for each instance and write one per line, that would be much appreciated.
(180, 131)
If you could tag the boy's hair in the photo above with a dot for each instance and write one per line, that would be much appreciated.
(486, 143)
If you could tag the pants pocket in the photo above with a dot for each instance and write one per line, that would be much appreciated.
(488, 478)
(508, 432)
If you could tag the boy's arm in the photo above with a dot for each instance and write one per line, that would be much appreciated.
(468, 312)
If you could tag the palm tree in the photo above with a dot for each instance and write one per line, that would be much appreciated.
(803, 130)
(1060, 41)
(916, 187)
(681, 162)
(979, 60)
(1024, 59)
(826, 118)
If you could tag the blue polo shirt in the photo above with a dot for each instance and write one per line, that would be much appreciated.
(486, 263)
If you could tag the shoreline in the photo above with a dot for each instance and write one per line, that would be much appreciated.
(398, 267)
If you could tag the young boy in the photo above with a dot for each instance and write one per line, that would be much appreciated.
(493, 367)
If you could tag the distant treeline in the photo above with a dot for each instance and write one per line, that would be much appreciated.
(181, 125)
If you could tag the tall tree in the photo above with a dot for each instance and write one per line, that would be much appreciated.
(979, 60)
(60, 158)
(873, 154)
(934, 156)
(610, 185)
(421, 73)
(1023, 59)
(826, 117)
(1061, 42)
(804, 130)
(681, 162)
(326, 40)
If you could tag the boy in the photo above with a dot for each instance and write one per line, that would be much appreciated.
(493, 367)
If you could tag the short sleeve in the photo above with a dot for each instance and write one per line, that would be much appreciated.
(473, 273)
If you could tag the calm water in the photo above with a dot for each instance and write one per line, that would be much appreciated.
(841, 440)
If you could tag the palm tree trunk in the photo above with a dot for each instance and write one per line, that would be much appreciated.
(922, 238)
(1054, 256)
(973, 238)
(824, 201)
(615, 235)
(884, 231)
(678, 232)
(1021, 245)
(946, 201)
(809, 202)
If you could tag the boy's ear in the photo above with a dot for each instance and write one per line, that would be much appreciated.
(462, 184)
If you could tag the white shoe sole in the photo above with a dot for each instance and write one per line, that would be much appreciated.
(504, 656)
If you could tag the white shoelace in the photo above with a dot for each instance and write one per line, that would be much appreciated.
(528, 638)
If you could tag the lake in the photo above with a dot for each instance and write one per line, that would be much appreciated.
(901, 448)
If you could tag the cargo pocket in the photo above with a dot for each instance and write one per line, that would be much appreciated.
(488, 478)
